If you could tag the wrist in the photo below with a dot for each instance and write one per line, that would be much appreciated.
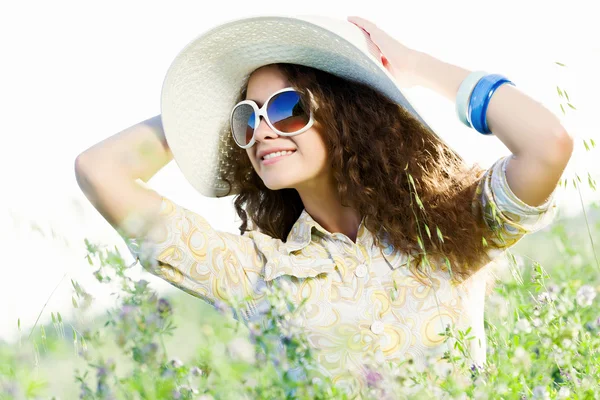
(437, 75)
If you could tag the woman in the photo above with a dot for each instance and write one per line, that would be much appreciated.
(352, 200)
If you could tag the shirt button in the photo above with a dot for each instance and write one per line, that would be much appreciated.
(377, 327)
(361, 270)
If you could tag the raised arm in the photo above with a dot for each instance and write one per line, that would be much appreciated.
(170, 241)
(107, 173)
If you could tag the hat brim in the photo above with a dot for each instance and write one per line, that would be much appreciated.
(202, 82)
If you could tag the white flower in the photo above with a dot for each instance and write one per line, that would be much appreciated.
(540, 393)
(537, 322)
(563, 393)
(567, 343)
(521, 357)
(523, 325)
(585, 295)
(546, 297)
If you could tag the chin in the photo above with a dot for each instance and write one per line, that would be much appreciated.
(277, 185)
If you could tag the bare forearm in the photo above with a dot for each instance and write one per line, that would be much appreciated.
(139, 151)
(524, 125)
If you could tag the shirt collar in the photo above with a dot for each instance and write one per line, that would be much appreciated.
(301, 234)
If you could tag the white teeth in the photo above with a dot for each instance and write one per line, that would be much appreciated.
(276, 154)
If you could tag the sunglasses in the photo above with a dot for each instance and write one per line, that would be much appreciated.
(284, 112)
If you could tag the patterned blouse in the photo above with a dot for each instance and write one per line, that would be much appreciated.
(362, 301)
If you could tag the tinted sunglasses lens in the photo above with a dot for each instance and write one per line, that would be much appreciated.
(242, 124)
(287, 113)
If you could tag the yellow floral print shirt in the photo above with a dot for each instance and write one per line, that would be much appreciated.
(353, 312)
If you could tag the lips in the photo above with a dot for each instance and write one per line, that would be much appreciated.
(263, 153)
(276, 159)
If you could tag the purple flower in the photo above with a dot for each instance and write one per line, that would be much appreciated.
(373, 377)
(164, 308)
(127, 310)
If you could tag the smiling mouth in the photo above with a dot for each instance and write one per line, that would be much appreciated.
(277, 155)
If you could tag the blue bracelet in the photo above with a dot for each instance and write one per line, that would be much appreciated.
(480, 100)
(464, 94)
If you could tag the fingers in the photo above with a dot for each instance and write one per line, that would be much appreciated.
(363, 23)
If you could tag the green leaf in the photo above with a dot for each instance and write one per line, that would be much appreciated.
(59, 317)
(419, 203)
(562, 108)
(559, 63)
(560, 93)
(439, 234)
(74, 302)
(572, 106)
(485, 243)
(53, 318)
(427, 230)
(19, 323)
(587, 148)
(420, 242)
(592, 142)
(566, 95)
(591, 182)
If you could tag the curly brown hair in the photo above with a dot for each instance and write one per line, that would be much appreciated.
(399, 175)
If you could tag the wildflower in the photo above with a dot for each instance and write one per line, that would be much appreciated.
(523, 325)
(127, 311)
(537, 322)
(195, 371)
(546, 297)
(373, 377)
(553, 289)
(476, 368)
(176, 363)
(187, 390)
(164, 308)
(563, 393)
(567, 343)
(540, 393)
(585, 295)
(520, 357)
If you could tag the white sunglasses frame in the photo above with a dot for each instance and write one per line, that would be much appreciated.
(262, 111)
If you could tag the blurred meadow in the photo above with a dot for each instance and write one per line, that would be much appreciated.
(107, 329)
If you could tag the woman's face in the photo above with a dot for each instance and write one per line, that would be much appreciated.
(308, 165)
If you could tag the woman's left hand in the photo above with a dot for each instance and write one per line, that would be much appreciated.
(398, 59)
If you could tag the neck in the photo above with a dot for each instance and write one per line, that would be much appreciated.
(324, 205)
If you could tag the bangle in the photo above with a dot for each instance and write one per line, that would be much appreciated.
(480, 100)
(464, 94)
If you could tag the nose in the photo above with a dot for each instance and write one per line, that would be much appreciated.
(264, 131)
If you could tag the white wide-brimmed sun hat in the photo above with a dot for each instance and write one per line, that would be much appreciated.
(204, 79)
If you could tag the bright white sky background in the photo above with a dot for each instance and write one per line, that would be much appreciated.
(74, 73)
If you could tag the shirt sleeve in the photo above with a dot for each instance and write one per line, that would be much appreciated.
(504, 212)
(218, 267)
